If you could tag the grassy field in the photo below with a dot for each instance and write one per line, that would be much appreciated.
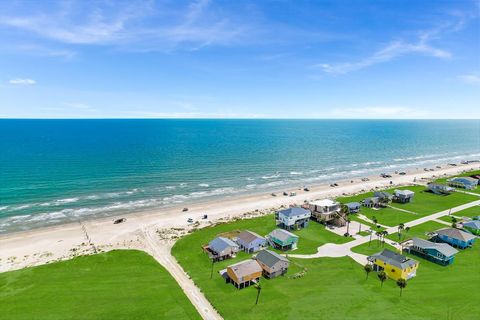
(446, 219)
(374, 247)
(335, 288)
(115, 285)
(424, 203)
(477, 172)
(418, 231)
(470, 212)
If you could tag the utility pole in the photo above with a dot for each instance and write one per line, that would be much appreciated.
(259, 289)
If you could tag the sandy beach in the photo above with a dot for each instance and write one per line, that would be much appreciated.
(40, 246)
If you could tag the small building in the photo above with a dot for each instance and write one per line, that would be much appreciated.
(472, 226)
(272, 263)
(395, 265)
(282, 239)
(221, 248)
(353, 207)
(468, 183)
(440, 253)
(249, 241)
(293, 218)
(383, 196)
(244, 273)
(371, 202)
(455, 237)
(439, 188)
(327, 211)
(403, 196)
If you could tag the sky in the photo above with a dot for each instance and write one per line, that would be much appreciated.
(240, 59)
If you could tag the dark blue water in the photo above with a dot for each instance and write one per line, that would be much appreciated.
(53, 171)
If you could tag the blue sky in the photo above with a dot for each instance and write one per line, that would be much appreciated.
(240, 59)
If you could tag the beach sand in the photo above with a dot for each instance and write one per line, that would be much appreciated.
(45, 245)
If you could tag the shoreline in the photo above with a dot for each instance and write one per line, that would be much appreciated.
(64, 241)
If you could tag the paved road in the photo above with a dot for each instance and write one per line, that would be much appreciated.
(342, 250)
(161, 251)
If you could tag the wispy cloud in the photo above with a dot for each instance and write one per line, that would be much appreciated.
(378, 112)
(22, 82)
(470, 79)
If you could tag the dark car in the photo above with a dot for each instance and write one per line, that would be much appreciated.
(120, 220)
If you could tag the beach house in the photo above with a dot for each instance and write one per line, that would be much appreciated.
(353, 207)
(272, 263)
(243, 274)
(371, 202)
(293, 218)
(249, 241)
(383, 196)
(439, 188)
(327, 211)
(403, 196)
(472, 227)
(455, 237)
(468, 183)
(282, 239)
(440, 253)
(221, 248)
(395, 265)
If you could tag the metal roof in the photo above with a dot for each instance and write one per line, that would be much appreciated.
(245, 268)
(293, 212)
(443, 248)
(221, 243)
(324, 203)
(405, 193)
(281, 234)
(456, 234)
(475, 224)
(249, 236)
(394, 259)
(269, 258)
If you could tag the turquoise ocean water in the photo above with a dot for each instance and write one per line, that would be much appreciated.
(54, 171)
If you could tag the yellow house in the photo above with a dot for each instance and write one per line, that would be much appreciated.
(394, 264)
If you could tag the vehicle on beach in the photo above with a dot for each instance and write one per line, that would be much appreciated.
(205, 216)
(306, 189)
(273, 194)
(285, 193)
(365, 179)
(189, 220)
(293, 194)
(184, 209)
(384, 175)
(120, 220)
(402, 173)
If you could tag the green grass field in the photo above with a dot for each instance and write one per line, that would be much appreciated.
(335, 288)
(373, 247)
(417, 231)
(114, 285)
(446, 219)
(470, 212)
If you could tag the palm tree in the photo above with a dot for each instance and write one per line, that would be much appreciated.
(382, 276)
(259, 289)
(384, 234)
(407, 229)
(401, 226)
(401, 283)
(348, 225)
(378, 234)
(374, 219)
(368, 268)
(370, 241)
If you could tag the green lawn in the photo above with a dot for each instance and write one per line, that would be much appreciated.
(466, 174)
(336, 288)
(424, 203)
(418, 231)
(373, 247)
(470, 212)
(114, 285)
(446, 219)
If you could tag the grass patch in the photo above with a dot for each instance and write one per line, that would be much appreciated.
(374, 247)
(417, 231)
(470, 212)
(122, 284)
(446, 219)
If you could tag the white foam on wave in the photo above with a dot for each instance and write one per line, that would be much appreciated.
(4, 208)
(204, 185)
(296, 173)
(271, 177)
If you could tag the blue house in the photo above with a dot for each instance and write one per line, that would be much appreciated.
(468, 183)
(293, 218)
(455, 237)
(438, 188)
(353, 207)
(440, 253)
(472, 227)
(249, 241)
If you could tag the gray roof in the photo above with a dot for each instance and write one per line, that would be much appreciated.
(382, 194)
(353, 205)
(371, 199)
(443, 248)
(475, 224)
(221, 243)
(456, 234)
(405, 193)
(293, 212)
(281, 234)
(249, 236)
(245, 268)
(269, 258)
(469, 179)
(394, 259)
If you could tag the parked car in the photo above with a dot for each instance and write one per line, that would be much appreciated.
(205, 217)
(120, 220)
(190, 220)
(184, 209)
(402, 173)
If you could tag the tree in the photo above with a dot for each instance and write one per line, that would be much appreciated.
(348, 225)
(368, 268)
(371, 233)
(401, 283)
(401, 226)
(374, 219)
(384, 234)
(378, 234)
(382, 276)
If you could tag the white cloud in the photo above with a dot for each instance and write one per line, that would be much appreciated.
(22, 82)
(470, 79)
(378, 112)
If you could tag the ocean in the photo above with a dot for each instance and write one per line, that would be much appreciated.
(55, 171)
